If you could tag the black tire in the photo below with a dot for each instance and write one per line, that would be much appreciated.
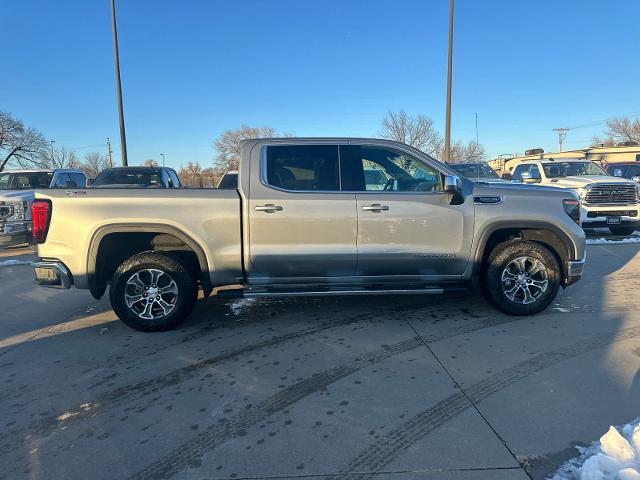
(497, 286)
(621, 230)
(167, 310)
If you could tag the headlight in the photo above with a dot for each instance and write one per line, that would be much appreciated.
(19, 209)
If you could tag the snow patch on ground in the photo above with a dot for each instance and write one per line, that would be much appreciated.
(10, 263)
(615, 457)
(602, 240)
(238, 306)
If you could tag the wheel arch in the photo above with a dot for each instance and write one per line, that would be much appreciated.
(547, 234)
(97, 285)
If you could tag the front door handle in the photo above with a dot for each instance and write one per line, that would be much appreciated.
(269, 208)
(376, 207)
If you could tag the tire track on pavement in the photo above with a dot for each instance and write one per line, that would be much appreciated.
(390, 446)
(191, 452)
(128, 393)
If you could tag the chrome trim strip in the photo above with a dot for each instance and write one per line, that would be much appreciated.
(575, 267)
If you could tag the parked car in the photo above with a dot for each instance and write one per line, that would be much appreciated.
(606, 201)
(306, 221)
(629, 170)
(477, 172)
(229, 181)
(17, 192)
(137, 177)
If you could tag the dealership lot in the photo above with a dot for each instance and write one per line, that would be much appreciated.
(396, 387)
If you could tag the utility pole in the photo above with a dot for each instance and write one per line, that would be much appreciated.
(162, 155)
(561, 135)
(110, 162)
(447, 131)
(116, 58)
(52, 142)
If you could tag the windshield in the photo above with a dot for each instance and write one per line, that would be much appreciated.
(571, 169)
(122, 176)
(25, 181)
(474, 170)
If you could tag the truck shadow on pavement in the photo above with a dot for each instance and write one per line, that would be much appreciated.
(199, 397)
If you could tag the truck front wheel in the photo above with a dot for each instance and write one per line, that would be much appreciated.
(522, 277)
(152, 292)
(622, 230)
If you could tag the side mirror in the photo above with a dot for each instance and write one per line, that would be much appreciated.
(452, 183)
(89, 181)
(506, 176)
(527, 178)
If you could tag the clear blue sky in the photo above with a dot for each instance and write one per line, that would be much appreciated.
(192, 69)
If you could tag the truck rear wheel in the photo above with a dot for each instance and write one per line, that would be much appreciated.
(152, 292)
(522, 277)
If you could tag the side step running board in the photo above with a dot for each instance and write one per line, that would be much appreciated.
(248, 293)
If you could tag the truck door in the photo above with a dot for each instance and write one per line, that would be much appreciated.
(300, 222)
(406, 224)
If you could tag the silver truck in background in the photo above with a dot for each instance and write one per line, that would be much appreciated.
(306, 220)
(17, 189)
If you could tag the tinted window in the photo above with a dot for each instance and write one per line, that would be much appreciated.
(147, 177)
(78, 179)
(303, 167)
(474, 170)
(517, 173)
(633, 171)
(229, 181)
(17, 181)
(174, 179)
(372, 169)
(61, 180)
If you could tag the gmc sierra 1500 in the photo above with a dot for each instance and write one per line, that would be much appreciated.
(306, 220)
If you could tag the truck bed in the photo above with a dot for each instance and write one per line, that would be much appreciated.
(209, 217)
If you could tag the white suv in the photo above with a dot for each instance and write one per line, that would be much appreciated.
(605, 201)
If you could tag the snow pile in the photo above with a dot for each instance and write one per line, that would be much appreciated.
(10, 263)
(615, 457)
(601, 240)
(238, 307)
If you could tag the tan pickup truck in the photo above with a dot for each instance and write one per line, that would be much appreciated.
(306, 220)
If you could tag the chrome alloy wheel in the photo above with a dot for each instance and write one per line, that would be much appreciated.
(524, 280)
(151, 294)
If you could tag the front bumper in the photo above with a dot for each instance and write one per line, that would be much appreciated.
(14, 233)
(52, 274)
(597, 216)
(574, 271)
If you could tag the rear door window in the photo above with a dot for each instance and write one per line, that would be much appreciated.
(303, 167)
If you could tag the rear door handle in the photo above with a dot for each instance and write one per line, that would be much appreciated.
(269, 208)
(376, 207)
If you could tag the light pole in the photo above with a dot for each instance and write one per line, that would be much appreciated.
(447, 131)
(116, 58)
(162, 155)
(52, 142)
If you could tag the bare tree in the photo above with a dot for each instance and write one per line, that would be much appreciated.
(472, 152)
(24, 146)
(416, 131)
(150, 162)
(93, 164)
(621, 129)
(191, 175)
(227, 145)
(58, 158)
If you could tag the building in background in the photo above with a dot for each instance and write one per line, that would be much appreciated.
(626, 152)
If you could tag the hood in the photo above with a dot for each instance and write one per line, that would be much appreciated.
(583, 181)
(16, 195)
(515, 187)
(490, 180)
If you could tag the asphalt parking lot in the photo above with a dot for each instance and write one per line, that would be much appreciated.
(398, 388)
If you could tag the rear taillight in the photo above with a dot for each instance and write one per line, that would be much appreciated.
(572, 208)
(40, 217)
